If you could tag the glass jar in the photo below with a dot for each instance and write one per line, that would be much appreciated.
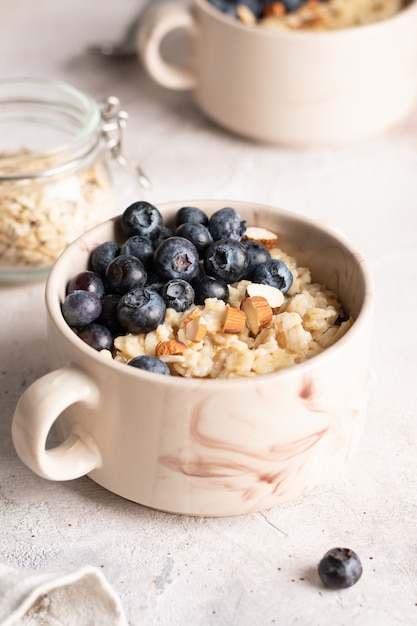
(54, 171)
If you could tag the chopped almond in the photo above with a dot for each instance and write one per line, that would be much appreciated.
(273, 295)
(261, 235)
(274, 8)
(258, 313)
(172, 346)
(194, 313)
(245, 15)
(196, 329)
(234, 320)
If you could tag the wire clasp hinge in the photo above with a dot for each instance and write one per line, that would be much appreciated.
(114, 122)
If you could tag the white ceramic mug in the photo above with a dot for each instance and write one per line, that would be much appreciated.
(299, 88)
(203, 446)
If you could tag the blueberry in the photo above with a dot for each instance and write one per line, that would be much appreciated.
(226, 259)
(102, 255)
(97, 336)
(209, 287)
(124, 273)
(141, 218)
(198, 234)
(258, 254)
(292, 5)
(80, 308)
(274, 273)
(87, 281)
(150, 364)
(176, 257)
(109, 313)
(141, 310)
(226, 6)
(164, 233)
(227, 223)
(178, 294)
(340, 568)
(191, 215)
(140, 247)
(155, 282)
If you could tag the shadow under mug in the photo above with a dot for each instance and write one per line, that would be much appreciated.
(289, 87)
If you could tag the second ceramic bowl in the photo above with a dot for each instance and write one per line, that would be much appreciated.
(289, 87)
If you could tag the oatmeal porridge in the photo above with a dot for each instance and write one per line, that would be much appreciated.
(312, 15)
(272, 316)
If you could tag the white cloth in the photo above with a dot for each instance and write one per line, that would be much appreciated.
(64, 597)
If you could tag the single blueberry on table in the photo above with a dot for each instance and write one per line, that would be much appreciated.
(226, 259)
(176, 257)
(102, 255)
(198, 234)
(150, 364)
(97, 336)
(340, 568)
(140, 247)
(87, 281)
(141, 218)
(227, 223)
(258, 254)
(141, 310)
(191, 215)
(124, 273)
(80, 308)
(178, 294)
(209, 287)
(274, 273)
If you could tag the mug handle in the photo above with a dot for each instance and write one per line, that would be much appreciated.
(156, 26)
(37, 410)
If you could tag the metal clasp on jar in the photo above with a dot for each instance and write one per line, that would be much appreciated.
(114, 133)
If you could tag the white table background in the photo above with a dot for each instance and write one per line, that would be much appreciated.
(261, 568)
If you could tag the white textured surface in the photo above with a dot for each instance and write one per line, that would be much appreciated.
(259, 569)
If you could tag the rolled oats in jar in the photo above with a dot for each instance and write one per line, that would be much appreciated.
(55, 181)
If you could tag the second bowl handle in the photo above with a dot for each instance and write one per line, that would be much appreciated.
(37, 410)
(156, 26)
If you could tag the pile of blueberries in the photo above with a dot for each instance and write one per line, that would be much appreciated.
(259, 8)
(127, 288)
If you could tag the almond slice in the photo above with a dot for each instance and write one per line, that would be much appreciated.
(172, 346)
(261, 235)
(258, 313)
(106, 354)
(192, 315)
(196, 329)
(234, 320)
(245, 15)
(273, 295)
(274, 8)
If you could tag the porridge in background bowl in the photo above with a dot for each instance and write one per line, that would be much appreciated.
(271, 316)
(204, 446)
(313, 15)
